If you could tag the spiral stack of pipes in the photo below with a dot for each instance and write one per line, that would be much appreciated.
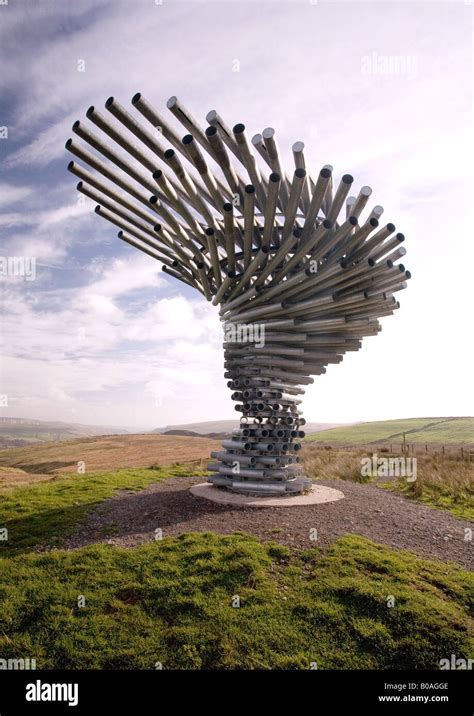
(300, 275)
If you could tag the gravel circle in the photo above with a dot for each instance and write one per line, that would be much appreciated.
(129, 519)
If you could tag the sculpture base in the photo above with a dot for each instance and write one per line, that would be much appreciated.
(297, 485)
(319, 494)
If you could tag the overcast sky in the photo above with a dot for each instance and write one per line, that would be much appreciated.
(381, 90)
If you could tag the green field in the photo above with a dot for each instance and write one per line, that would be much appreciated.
(49, 510)
(227, 602)
(212, 601)
(435, 431)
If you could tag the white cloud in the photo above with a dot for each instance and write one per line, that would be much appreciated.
(11, 194)
(63, 214)
(44, 148)
(92, 351)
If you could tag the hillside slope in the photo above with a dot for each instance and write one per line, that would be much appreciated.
(446, 431)
(107, 453)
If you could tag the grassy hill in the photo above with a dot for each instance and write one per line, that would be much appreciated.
(437, 431)
(107, 452)
(171, 603)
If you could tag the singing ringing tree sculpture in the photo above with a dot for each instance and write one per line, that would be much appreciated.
(299, 276)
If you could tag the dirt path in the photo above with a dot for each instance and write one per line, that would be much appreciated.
(130, 519)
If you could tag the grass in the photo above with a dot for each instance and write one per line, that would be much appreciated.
(172, 602)
(441, 499)
(14, 477)
(459, 431)
(456, 431)
(445, 482)
(46, 511)
(333, 464)
(107, 452)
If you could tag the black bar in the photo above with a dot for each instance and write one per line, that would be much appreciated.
(323, 692)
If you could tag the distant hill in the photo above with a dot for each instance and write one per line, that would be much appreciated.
(434, 431)
(21, 432)
(215, 428)
(190, 433)
(204, 428)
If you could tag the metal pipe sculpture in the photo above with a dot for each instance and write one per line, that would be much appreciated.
(299, 276)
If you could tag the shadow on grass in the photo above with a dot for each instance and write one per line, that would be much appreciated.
(50, 526)
(45, 468)
(44, 514)
(95, 521)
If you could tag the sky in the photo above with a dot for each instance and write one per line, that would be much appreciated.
(94, 332)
